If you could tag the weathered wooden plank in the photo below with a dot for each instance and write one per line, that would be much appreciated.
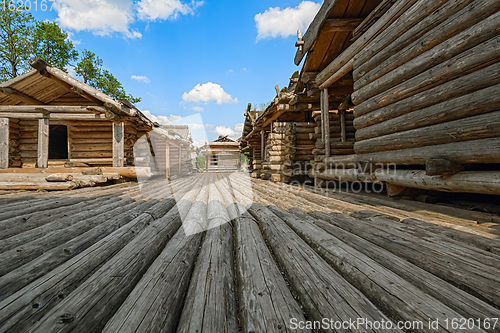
(47, 254)
(462, 302)
(370, 277)
(43, 143)
(265, 302)
(210, 304)
(471, 128)
(154, 304)
(18, 312)
(322, 291)
(96, 299)
(4, 143)
(473, 276)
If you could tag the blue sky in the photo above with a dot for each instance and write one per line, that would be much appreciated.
(188, 57)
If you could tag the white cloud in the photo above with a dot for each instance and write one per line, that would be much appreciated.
(100, 16)
(197, 108)
(71, 71)
(276, 22)
(208, 92)
(104, 17)
(164, 9)
(162, 120)
(232, 133)
(141, 78)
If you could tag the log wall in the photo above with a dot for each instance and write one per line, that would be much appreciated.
(28, 138)
(14, 144)
(90, 142)
(435, 85)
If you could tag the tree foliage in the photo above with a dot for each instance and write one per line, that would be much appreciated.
(90, 69)
(23, 38)
(16, 29)
(51, 43)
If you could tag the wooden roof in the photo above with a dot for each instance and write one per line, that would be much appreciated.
(46, 89)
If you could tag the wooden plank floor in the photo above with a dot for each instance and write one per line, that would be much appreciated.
(226, 253)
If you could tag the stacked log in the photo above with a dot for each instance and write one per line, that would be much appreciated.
(433, 87)
(14, 144)
(256, 160)
(28, 138)
(280, 152)
(130, 140)
(304, 146)
(337, 144)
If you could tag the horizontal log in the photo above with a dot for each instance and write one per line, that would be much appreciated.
(469, 41)
(91, 147)
(486, 182)
(474, 88)
(460, 152)
(470, 128)
(438, 38)
(103, 154)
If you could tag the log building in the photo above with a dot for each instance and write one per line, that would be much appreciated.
(408, 93)
(50, 119)
(222, 155)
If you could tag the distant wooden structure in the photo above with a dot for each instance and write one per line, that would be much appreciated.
(50, 119)
(407, 93)
(222, 155)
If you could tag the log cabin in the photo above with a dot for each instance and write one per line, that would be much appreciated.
(222, 155)
(417, 83)
(50, 121)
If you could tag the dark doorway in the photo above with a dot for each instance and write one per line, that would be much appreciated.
(58, 142)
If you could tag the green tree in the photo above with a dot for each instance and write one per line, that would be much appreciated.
(200, 162)
(109, 85)
(89, 67)
(51, 43)
(16, 29)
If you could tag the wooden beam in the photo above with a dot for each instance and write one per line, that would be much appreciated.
(43, 143)
(59, 116)
(343, 64)
(79, 87)
(20, 96)
(342, 24)
(4, 143)
(314, 29)
(51, 109)
(118, 144)
(326, 118)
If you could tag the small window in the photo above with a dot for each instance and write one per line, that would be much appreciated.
(58, 142)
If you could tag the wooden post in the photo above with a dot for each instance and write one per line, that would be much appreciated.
(4, 143)
(180, 159)
(118, 144)
(43, 143)
(167, 162)
(343, 135)
(325, 108)
(262, 145)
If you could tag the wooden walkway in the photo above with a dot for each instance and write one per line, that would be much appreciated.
(114, 259)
